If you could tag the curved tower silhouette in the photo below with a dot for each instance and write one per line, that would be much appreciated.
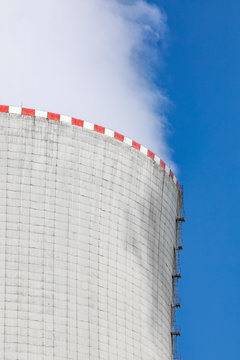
(88, 242)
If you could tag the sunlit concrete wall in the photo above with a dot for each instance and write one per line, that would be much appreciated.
(87, 232)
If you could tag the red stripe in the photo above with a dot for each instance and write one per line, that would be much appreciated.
(53, 116)
(178, 185)
(77, 122)
(163, 165)
(171, 174)
(118, 136)
(136, 145)
(4, 108)
(150, 154)
(99, 129)
(29, 112)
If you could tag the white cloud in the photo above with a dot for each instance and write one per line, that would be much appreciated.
(86, 58)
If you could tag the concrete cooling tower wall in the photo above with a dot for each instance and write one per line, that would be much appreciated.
(88, 237)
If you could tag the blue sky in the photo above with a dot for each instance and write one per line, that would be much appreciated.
(203, 81)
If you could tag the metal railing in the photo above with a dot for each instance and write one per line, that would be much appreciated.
(176, 330)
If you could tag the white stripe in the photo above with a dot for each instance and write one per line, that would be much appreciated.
(66, 119)
(167, 169)
(109, 132)
(88, 125)
(157, 159)
(15, 110)
(127, 141)
(143, 150)
(40, 113)
(174, 179)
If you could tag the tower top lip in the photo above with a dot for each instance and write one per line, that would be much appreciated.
(93, 127)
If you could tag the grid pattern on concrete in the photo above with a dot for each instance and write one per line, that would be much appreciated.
(87, 232)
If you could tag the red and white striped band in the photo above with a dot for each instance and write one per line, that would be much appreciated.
(90, 126)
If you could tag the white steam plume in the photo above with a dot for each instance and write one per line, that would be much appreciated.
(86, 58)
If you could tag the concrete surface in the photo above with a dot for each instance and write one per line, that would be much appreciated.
(87, 232)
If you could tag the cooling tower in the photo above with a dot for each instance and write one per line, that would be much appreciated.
(88, 242)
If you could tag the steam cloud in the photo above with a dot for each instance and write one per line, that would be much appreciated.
(91, 59)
